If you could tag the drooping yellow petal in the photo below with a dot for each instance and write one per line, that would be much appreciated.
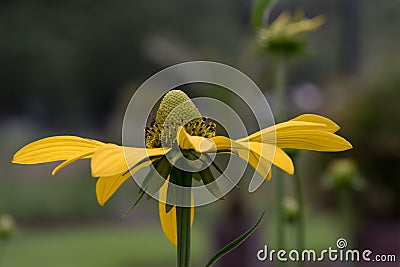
(224, 143)
(261, 155)
(110, 159)
(271, 153)
(197, 143)
(55, 148)
(258, 155)
(168, 220)
(107, 186)
(71, 160)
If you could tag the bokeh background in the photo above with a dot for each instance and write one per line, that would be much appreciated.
(70, 67)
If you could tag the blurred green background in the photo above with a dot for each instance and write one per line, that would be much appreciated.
(70, 67)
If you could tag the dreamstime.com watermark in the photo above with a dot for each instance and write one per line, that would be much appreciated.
(339, 253)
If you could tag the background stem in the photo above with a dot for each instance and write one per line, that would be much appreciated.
(300, 219)
(348, 217)
(347, 214)
(280, 85)
(280, 88)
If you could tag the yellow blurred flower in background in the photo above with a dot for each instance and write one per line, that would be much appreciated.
(285, 34)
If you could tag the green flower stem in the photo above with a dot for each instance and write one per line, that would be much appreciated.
(183, 221)
(280, 86)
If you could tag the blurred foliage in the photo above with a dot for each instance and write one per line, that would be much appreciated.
(106, 245)
(259, 12)
(374, 124)
(71, 57)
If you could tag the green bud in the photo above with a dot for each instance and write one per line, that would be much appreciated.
(7, 226)
(291, 209)
(343, 173)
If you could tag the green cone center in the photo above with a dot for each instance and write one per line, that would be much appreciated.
(176, 109)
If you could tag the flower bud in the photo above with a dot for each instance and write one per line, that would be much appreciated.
(343, 174)
(7, 226)
(291, 209)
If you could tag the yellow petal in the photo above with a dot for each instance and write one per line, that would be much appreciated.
(107, 186)
(272, 154)
(269, 175)
(110, 159)
(330, 125)
(313, 140)
(71, 160)
(255, 161)
(221, 143)
(308, 131)
(260, 156)
(271, 134)
(305, 25)
(197, 143)
(281, 21)
(224, 143)
(168, 220)
(55, 148)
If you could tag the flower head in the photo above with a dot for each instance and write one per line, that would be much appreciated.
(180, 132)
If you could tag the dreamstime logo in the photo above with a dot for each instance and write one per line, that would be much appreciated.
(341, 243)
(222, 77)
(340, 253)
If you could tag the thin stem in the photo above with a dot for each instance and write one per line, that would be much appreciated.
(183, 221)
(280, 86)
(348, 218)
(300, 220)
(347, 214)
(279, 209)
